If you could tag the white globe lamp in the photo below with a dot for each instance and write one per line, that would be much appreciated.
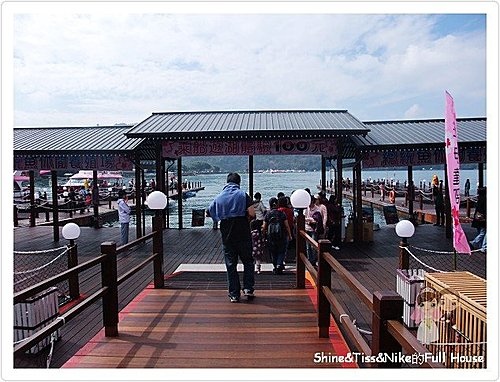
(71, 231)
(405, 229)
(156, 200)
(300, 199)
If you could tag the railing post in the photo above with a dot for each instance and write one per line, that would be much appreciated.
(468, 207)
(300, 247)
(421, 200)
(324, 280)
(404, 256)
(73, 281)
(387, 305)
(159, 276)
(109, 299)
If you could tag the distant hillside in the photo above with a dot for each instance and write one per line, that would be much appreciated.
(262, 162)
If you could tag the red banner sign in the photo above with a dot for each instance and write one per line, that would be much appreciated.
(72, 162)
(423, 157)
(176, 149)
(460, 242)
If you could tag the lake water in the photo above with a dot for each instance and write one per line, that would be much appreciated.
(269, 184)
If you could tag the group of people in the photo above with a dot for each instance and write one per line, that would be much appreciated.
(323, 219)
(249, 229)
(478, 220)
(272, 231)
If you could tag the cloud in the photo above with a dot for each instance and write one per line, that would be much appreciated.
(413, 112)
(105, 68)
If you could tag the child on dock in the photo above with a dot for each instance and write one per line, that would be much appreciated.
(257, 244)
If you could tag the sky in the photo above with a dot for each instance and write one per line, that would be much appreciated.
(69, 64)
(90, 67)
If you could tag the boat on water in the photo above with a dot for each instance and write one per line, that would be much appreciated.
(21, 184)
(105, 179)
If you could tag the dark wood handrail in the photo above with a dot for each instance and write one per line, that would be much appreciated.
(108, 291)
(136, 269)
(41, 286)
(135, 242)
(388, 334)
(30, 341)
(356, 338)
(358, 288)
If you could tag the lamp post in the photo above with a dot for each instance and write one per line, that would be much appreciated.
(300, 200)
(404, 229)
(71, 232)
(157, 201)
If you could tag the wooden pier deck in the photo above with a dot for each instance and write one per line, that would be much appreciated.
(173, 328)
(374, 264)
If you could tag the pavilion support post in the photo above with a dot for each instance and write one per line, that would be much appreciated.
(143, 197)
(410, 193)
(55, 207)
(163, 189)
(171, 163)
(32, 199)
(480, 174)
(95, 198)
(338, 191)
(323, 174)
(138, 197)
(447, 205)
(160, 174)
(179, 190)
(339, 173)
(359, 201)
(250, 175)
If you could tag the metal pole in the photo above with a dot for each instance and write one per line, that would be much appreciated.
(250, 175)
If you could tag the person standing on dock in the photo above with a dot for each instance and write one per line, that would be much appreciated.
(278, 234)
(467, 187)
(437, 193)
(123, 215)
(234, 209)
(260, 209)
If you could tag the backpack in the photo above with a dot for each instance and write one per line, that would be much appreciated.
(318, 226)
(275, 230)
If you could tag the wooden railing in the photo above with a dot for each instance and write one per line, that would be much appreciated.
(389, 335)
(109, 286)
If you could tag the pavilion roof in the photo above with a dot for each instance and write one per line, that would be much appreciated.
(249, 125)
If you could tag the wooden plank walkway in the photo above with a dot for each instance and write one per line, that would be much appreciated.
(374, 264)
(167, 328)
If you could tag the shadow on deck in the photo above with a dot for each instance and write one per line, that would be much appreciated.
(188, 328)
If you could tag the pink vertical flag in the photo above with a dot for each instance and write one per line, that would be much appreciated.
(460, 242)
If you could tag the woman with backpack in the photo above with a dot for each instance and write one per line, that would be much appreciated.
(278, 233)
